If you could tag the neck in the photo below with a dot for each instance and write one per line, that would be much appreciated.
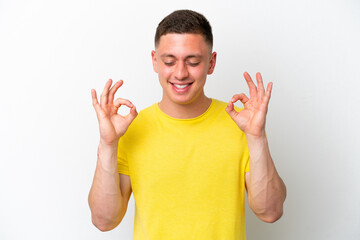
(185, 111)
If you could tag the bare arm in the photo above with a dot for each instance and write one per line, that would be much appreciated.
(266, 190)
(110, 191)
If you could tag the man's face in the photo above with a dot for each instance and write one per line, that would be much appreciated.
(183, 62)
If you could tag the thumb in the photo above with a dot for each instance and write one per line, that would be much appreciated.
(132, 115)
(231, 110)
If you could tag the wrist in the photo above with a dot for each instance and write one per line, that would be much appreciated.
(107, 158)
(256, 137)
(108, 145)
(107, 150)
(258, 145)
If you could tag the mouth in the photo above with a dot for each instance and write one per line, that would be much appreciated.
(181, 88)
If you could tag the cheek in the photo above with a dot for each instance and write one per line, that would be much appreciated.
(199, 73)
(164, 72)
(164, 76)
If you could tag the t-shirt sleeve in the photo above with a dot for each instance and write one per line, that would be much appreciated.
(247, 165)
(246, 158)
(122, 162)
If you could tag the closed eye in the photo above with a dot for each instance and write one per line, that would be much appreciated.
(193, 64)
(169, 63)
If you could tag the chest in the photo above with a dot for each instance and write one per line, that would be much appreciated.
(186, 158)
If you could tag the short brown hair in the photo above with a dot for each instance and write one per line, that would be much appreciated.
(185, 21)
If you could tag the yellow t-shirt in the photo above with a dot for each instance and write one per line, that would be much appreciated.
(187, 175)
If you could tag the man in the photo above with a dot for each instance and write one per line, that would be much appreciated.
(189, 158)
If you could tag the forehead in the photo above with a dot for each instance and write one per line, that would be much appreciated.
(185, 43)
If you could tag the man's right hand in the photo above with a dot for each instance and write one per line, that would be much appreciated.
(112, 125)
(109, 195)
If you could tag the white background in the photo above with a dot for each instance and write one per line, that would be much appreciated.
(53, 52)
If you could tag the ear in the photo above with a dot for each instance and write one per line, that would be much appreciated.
(212, 63)
(153, 57)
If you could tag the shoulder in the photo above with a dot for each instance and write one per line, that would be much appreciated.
(145, 114)
(220, 123)
(143, 119)
(221, 105)
(140, 125)
(222, 117)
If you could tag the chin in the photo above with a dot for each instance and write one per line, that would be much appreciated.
(183, 100)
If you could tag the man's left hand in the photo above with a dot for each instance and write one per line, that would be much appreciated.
(251, 120)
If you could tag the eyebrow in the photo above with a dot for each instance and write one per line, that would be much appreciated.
(187, 57)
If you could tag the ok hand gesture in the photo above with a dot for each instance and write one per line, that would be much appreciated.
(112, 125)
(251, 120)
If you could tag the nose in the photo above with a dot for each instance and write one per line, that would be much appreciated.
(181, 71)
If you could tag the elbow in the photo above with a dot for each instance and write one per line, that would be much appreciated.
(271, 217)
(105, 219)
(268, 214)
(269, 211)
(104, 225)
(103, 228)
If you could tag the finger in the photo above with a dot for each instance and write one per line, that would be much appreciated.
(260, 84)
(118, 102)
(242, 97)
(94, 99)
(105, 93)
(251, 85)
(268, 92)
(113, 90)
(95, 103)
(132, 115)
(230, 109)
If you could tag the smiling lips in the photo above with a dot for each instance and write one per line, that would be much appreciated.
(181, 88)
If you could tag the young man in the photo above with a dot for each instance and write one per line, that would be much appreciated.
(188, 158)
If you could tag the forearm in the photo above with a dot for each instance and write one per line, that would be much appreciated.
(266, 190)
(105, 199)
